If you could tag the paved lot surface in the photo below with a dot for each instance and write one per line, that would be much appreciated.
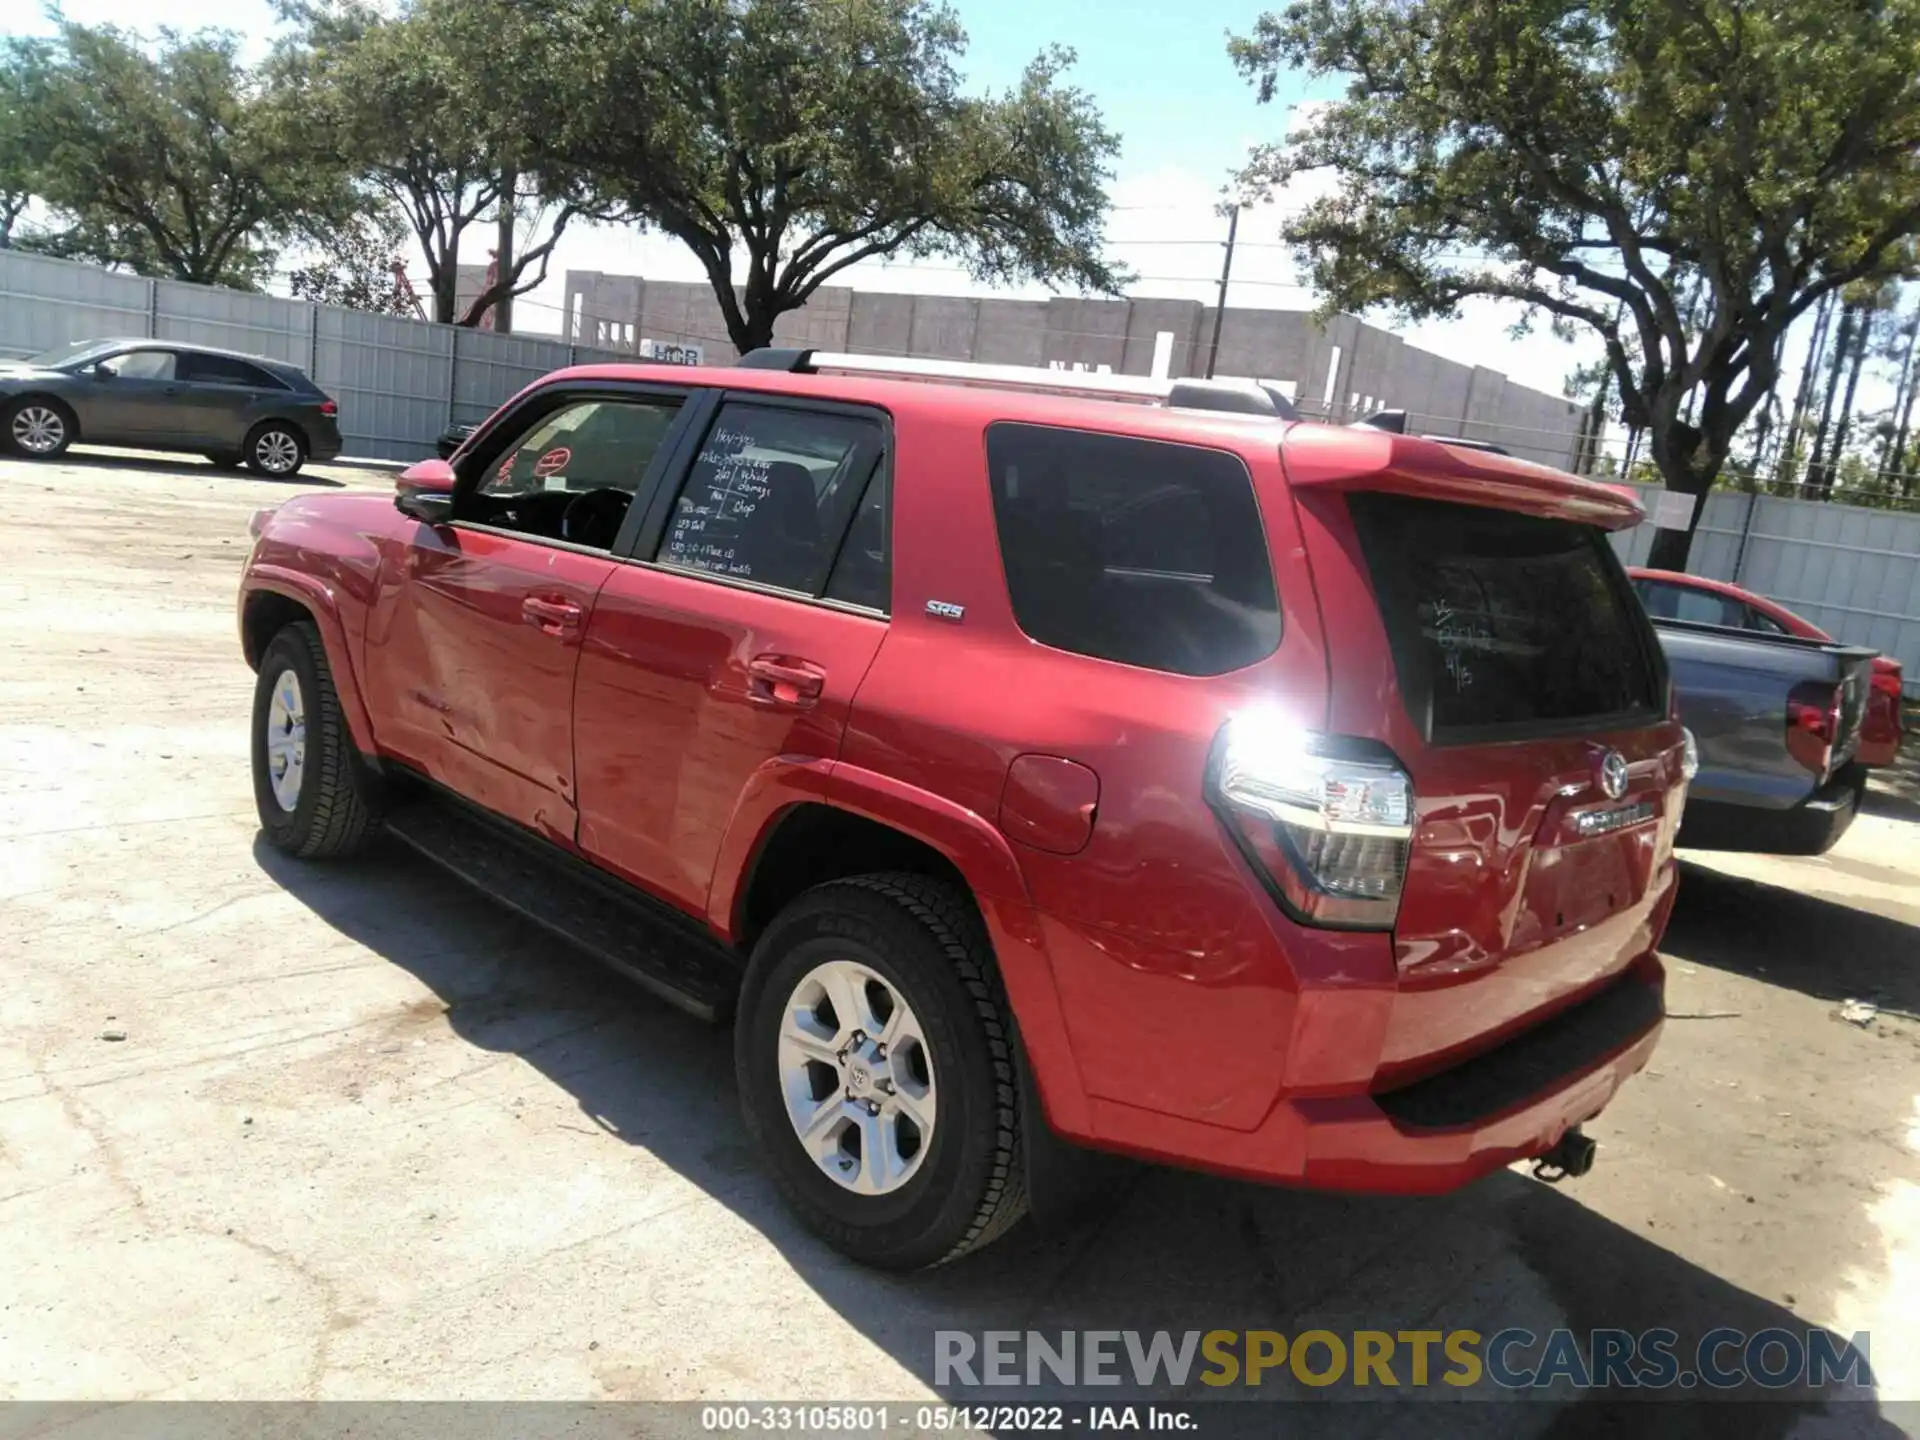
(365, 1137)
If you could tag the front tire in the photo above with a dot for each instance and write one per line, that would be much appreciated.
(874, 1051)
(309, 784)
(275, 449)
(37, 428)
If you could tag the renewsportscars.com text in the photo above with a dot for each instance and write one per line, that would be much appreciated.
(1511, 1359)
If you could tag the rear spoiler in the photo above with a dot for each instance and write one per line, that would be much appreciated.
(1364, 458)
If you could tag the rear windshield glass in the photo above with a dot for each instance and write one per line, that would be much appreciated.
(1501, 620)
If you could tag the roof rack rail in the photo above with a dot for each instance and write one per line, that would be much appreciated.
(767, 357)
(1394, 422)
(1221, 395)
(1460, 442)
(1184, 394)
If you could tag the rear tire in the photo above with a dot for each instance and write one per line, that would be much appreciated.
(275, 449)
(309, 783)
(920, 942)
(37, 427)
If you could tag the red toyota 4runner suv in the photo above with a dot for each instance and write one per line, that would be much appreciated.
(1015, 765)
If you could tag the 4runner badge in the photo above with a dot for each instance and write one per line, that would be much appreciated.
(945, 610)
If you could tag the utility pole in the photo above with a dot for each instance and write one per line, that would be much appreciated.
(1597, 412)
(503, 307)
(1226, 274)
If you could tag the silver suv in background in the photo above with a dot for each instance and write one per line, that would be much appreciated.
(163, 395)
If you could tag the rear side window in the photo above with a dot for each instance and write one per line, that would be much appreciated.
(1137, 551)
(770, 498)
(1683, 602)
(862, 575)
(224, 370)
(1500, 620)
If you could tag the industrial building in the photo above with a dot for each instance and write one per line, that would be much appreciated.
(1341, 368)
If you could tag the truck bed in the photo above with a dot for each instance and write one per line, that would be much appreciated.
(1751, 792)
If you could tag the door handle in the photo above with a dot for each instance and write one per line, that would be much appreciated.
(551, 616)
(788, 684)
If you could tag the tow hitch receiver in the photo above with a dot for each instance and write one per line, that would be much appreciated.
(1571, 1158)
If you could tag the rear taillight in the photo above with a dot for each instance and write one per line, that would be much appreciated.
(329, 407)
(1887, 682)
(1326, 820)
(1813, 723)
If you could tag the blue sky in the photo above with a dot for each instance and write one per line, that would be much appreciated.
(1160, 71)
(1161, 76)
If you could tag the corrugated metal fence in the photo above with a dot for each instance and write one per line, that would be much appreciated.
(1852, 571)
(399, 382)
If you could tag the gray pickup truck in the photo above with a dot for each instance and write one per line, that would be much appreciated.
(1777, 721)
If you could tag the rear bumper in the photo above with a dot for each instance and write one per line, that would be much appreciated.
(1812, 827)
(1509, 1104)
(323, 439)
(1446, 1130)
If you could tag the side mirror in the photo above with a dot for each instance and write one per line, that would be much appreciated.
(425, 491)
(104, 371)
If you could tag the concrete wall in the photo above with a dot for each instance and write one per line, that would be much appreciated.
(1340, 370)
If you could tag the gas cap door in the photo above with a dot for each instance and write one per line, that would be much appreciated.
(1049, 803)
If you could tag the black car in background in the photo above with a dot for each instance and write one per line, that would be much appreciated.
(163, 395)
(452, 438)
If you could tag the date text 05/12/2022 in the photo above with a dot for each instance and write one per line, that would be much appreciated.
(880, 1419)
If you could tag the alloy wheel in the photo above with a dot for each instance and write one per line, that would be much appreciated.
(39, 429)
(286, 740)
(277, 451)
(857, 1076)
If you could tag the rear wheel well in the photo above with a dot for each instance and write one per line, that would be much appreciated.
(268, 613)
(812, 844)
(294, 426)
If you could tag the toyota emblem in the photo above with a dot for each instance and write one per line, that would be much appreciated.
(1613, 774)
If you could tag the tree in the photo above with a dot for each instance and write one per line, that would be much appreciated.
(1894, 459)
(432, 106)
(23, 147)
(175, 161)
(1820, 467)
(1873, 305)
(1803, 393)
(359, 265)
(1577, 157)
(802, 138)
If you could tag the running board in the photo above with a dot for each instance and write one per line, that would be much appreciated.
(584, 906)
